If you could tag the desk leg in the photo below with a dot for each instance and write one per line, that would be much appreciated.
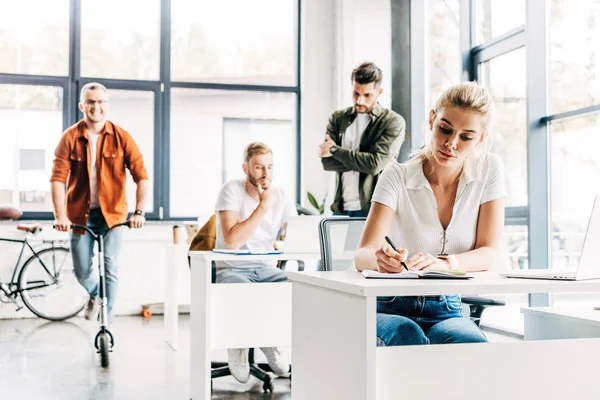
(200, 330)
(171, 307)
(333, 344)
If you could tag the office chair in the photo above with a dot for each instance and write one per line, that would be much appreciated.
(340, 236)
(259, 371)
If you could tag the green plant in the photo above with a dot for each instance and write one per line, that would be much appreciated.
(313, 202)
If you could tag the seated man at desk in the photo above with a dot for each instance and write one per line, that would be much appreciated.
(250, 214)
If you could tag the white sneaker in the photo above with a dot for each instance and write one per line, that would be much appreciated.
(91, 308)
(238, 364)
(278, 364)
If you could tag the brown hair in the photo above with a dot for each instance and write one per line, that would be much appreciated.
(90, 86)
(367, 72)
(255, 148)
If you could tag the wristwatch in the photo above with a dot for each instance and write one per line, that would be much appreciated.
(139, 212)
(333, 149)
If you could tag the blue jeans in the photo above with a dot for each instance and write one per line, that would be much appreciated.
(251, 275)
(82, 251)
(404, 321)
(355, 213)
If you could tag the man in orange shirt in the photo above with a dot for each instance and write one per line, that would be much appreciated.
(88, 188)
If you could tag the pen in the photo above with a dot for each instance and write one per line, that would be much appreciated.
(387, 239)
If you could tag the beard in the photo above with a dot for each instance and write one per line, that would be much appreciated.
(254, 182)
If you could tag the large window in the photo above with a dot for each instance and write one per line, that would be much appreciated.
(209, 130)
(34, 37)
(575, 183)
(497, 17)
(32, 119)
(190, 80)
(505, 78)
(444, 59)
(574, 30)
(118, 41)
(245, 46)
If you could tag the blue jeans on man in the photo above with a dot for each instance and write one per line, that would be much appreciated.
(82, 251)
(404, 321)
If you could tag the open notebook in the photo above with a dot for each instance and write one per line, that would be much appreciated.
(417, 274)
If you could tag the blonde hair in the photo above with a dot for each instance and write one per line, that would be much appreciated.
(255, 148)
(468, 96)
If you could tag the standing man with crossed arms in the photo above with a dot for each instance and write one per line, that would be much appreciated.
(360, 142)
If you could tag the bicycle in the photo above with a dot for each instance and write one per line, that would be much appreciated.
(104, 340)
(45, 282)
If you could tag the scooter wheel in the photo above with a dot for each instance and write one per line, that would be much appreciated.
(104, 348)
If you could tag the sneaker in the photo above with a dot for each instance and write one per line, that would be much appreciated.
(91, 308)
(238, 364)
(278, 364)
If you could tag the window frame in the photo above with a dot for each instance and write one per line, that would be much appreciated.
(72, 83)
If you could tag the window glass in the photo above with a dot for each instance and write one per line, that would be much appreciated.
(575, 168)
(445, 63)
(497, 17)
(32, 121)
(209, 130)
(505, 78)
(574, 70)
(34, 37)
(211, 43)
(120, 39)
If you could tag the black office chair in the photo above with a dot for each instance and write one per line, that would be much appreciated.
(341, 236)
(258, 370)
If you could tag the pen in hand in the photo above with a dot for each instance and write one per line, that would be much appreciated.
(387, 239)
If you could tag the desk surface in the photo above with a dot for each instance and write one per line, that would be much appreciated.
(580, 314)
(212, 256)
(483, 283)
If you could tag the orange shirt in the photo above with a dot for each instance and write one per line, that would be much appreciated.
(115, 151)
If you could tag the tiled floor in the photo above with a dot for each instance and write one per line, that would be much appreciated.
(57, 361)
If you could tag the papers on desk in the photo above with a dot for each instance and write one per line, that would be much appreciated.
(246, 252)
(367, 273)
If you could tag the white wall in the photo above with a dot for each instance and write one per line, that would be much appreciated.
(337, 35)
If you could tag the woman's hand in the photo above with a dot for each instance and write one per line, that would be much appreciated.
(425, 261)
(389, 260)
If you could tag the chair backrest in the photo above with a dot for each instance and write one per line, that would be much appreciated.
(338, 239)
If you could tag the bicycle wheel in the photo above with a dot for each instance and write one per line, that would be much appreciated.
(49, 287)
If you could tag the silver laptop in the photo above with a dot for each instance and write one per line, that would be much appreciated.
(302, 234)
(589, 262)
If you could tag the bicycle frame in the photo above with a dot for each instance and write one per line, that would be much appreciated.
(17, 268)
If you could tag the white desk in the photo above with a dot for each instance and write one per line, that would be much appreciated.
(234, 315)
(335, 354)
(177, 291)
(544, 323)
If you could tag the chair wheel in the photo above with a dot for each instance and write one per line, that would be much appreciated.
(268, 384)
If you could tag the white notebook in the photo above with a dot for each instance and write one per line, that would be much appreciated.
(367, 273)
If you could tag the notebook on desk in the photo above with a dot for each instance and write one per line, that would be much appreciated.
(417, 275)
(589, 262)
